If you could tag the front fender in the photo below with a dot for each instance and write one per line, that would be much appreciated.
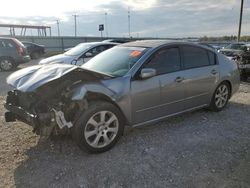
(80, 91)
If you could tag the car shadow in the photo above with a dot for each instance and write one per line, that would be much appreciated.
(184, 151)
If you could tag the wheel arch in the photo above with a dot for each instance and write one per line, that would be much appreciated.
(94, 96)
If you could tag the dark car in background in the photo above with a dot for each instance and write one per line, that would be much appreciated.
(233, 49)
(243, 60)
(35, 50)
(12, 53)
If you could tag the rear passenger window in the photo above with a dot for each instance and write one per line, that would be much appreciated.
(212, 58)
(6, 44)
(195, 57)
(165, 61)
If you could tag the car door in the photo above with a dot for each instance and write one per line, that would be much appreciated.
(172, 83)
(154, 97)
(201, 75)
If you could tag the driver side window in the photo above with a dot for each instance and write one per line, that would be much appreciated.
(165, 61)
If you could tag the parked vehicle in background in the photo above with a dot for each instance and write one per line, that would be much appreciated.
(233, 49)
(121, 41)
(12, 53)
(35, 50)
(243, 59)
(207, 45)
(80, 54)
(131, 84)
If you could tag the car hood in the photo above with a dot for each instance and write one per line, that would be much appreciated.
(30, 78)
(61, 58)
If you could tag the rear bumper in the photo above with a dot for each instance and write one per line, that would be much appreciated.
(23, 59)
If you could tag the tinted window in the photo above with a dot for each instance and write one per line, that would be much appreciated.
(165, 61)
(212, 58)
(194, 57)
(98, 49)
(6, 44)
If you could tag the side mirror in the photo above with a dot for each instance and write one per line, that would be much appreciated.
(147, 73)
(88, 54)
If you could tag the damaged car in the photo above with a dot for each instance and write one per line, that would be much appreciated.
(133, 84)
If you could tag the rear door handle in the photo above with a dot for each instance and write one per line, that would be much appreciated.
(179, 79)
(214, 72)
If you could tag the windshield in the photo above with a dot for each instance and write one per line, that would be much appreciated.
(235, 46)
(78, 50)
(116, 61)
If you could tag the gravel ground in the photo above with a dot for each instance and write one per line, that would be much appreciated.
(198, 149)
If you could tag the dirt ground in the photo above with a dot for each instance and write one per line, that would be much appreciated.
(198, 149)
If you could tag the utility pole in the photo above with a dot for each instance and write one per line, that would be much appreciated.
(75, 16)
(106, 24)
(240, 22)
(128, 22)
(58, 28)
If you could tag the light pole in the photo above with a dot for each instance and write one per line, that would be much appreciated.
(106, 24)
(128, 22)
(58, 28)
(75, 16)
(240, 22)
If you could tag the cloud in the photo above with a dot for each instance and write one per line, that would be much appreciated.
(149, 18)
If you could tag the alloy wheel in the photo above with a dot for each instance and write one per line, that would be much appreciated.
(101, 129)
(221, 96)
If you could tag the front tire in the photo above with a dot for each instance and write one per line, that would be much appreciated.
(99, 127)
(220, 97)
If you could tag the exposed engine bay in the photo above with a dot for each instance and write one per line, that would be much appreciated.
(52, 106)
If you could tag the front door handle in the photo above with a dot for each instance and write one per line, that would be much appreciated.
(214, 72)
(179, 79)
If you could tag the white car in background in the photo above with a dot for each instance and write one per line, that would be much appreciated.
(80, 54)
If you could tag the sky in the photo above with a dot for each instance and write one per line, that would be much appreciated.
(148, 18)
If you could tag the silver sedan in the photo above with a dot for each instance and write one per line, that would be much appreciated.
(131, 84)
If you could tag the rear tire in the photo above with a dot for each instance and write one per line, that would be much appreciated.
(220, 97)
(99, 127)
(7, 64)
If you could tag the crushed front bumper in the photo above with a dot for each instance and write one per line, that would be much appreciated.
(16, 112)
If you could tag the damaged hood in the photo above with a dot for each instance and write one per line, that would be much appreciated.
(29, 79)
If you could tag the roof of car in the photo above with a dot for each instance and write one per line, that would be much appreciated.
(147, 43)
(6, 38)
(99, 43)
(157, 43)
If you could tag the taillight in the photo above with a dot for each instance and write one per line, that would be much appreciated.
(19, 48)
